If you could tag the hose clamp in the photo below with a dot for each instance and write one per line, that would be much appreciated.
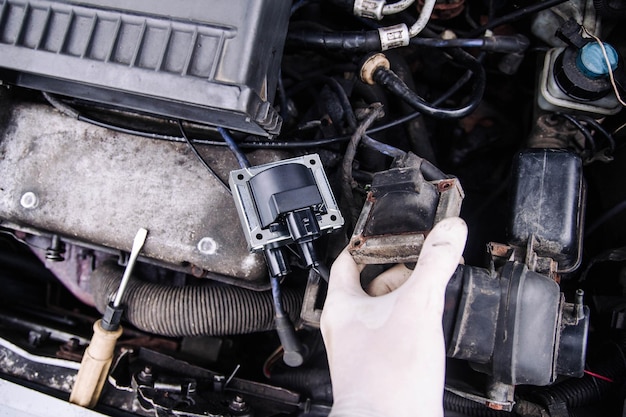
(394, 36)
(370, 9)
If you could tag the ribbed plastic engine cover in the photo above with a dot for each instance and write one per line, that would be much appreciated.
(214, 62)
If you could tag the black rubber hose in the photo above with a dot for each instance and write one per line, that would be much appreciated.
(213, 310)
(367, 41)
(469, 408)
(393, 83)
(578, 392)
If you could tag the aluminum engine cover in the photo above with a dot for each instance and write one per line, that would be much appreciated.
(97, 187)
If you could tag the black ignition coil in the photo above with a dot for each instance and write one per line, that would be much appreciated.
(279, 204)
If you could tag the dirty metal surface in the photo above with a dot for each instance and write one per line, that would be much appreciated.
(88, 184)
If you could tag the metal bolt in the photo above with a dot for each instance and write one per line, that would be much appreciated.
(29, 200)
(207, 246)
(37, 337)
(73, 344)
(238, 404)
(56, 249)
(145, 376)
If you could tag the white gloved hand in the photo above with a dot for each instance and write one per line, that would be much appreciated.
(386, 350)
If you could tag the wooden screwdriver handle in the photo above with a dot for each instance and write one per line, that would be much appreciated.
(94, 367)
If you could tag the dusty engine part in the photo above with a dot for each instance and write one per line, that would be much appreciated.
(401, 208)
(515, 326)
(548, 205)
(485, 307)
(93, 194)
(179, 60)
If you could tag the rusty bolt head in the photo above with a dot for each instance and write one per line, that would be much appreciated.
(445, 185)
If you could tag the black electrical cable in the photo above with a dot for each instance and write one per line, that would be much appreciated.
(255, 144)
(393, 83)
(346, 166)
(588, 138)
(448, 43)
(503, 44)
(598, 127)
(293, 350)
(345, 102)
(234, 148)
(195, 151)
(364, 41)
(449, 93)
(276, 296)
(383, 148)
(516, 15)
(329, 141)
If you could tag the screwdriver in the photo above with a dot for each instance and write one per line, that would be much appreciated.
(96, 362)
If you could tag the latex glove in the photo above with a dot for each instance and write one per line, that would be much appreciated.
(386, 353)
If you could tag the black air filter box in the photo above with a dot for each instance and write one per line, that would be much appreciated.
(214, 62)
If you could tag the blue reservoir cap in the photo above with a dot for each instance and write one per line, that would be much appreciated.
(591, 61)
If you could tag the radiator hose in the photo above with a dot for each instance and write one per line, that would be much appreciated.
(213, 310)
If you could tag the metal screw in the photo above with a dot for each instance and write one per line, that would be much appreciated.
(29, 200)
(207, 246)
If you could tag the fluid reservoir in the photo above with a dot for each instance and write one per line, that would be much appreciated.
(583, 73)
(576, 78)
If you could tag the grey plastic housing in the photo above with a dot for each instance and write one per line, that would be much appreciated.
(211, 62)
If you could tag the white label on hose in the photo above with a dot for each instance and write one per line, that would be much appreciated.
(394, 36)
(370, 9)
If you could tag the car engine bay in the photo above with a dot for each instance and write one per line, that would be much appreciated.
(191, 169)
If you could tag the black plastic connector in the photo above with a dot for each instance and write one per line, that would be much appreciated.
(112, 317)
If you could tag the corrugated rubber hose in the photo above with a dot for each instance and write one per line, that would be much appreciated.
(211, 309)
